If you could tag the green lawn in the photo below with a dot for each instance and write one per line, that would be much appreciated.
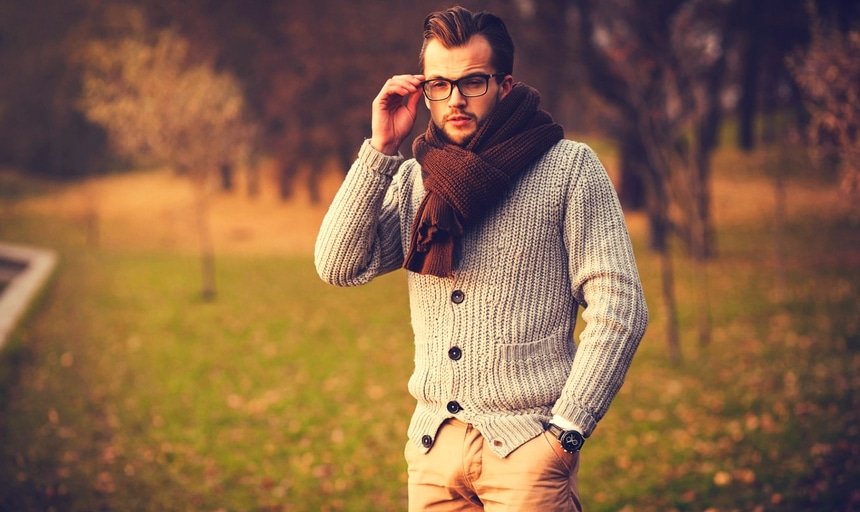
(124, 391)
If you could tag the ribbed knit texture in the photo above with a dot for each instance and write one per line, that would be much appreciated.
(557, 240)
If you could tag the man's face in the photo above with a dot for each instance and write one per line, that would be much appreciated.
(459, 117)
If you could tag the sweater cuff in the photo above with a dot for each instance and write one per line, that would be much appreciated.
(579, 417)
(566, 424)
(377, 161)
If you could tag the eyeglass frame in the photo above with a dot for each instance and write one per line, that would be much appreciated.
(456, 83)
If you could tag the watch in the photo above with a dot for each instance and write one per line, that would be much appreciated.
(571, 440)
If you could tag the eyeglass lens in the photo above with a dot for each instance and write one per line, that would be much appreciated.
(470, 86)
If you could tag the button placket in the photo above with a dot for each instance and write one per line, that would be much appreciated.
(455, 353)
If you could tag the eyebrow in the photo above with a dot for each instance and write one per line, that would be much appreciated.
(476, 73)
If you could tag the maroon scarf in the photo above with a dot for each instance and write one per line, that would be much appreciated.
(462, 183)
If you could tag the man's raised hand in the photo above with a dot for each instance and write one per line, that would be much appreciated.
(394, 111)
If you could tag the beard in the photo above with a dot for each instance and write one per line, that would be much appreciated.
(459, 137)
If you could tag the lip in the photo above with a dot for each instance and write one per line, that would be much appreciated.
(458, 120)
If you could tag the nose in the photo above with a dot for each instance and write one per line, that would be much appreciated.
(456, 99)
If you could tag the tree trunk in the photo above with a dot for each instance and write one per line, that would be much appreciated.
(286, 179)
(702, 283)
(751, 58)
(778, 236)
(204, 234)
(551, 17)
(702, 240)
(253, 186)
(670, 305)
(789, 137)
(92, 214)
(631, 186)
(226, 173)
(314, 192)
(658, 217)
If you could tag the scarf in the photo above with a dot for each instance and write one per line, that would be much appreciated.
(462, 183)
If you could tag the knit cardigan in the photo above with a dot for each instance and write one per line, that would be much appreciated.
(556, 241)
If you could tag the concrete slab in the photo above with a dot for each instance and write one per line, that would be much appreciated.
(29, 268)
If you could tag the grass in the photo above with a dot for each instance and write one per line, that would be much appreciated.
(138, 391)
(124, 391)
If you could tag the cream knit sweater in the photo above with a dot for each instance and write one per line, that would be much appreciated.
(493, 342)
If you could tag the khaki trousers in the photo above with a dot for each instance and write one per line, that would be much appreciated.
(461, 473)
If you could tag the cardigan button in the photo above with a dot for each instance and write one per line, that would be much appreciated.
(454, 407)
(455, 353)
(426, 441)
(457, 297)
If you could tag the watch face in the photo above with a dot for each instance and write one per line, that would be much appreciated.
(571, 441)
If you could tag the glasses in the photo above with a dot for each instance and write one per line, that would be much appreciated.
(438, 89)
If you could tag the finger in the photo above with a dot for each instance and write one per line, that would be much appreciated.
(413, 79)
(402, 88)
(412, 101)
(407, 82)
(393, 96)
(399, 88)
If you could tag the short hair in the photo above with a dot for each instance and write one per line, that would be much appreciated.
(455, 26)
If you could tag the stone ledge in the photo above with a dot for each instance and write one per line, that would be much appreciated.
(33, 268)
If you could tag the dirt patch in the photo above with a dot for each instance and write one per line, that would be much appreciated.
(155, 210)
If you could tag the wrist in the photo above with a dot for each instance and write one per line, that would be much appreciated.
(565, 424)
(386, 147)
(571, 440)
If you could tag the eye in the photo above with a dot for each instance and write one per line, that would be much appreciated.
(473, 82)
(438, 84)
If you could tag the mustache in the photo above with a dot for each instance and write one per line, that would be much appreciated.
(458, 114)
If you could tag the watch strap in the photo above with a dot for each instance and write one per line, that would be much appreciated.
(555, 430)
(564, 437)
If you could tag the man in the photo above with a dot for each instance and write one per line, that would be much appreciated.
(505, 229)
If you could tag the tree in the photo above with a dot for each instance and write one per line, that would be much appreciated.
(661, 66)
(828, 72)
(155, 102)
(309, 68)
(766, 31)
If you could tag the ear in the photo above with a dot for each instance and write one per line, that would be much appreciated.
(505, 86)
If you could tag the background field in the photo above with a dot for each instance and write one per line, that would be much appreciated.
(125, 391)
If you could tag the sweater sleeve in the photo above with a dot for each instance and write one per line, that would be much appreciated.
(359, 238)
(605, 281)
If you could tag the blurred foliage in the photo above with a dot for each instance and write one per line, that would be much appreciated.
(829, 74)
(308, 69)
(156, 105)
